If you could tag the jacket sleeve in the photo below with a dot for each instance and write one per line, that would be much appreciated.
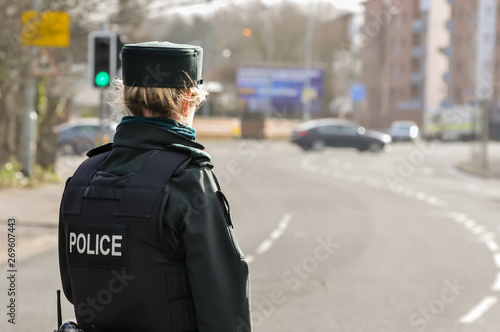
(63, 268)
(217, 270)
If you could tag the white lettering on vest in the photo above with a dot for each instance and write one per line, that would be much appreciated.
(72, 241)
(103, 244)
(115, 245)
(104, 251)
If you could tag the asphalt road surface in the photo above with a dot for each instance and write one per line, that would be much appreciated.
(340, 241)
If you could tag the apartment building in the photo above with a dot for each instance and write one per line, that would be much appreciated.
(421, 56)
(392, 62)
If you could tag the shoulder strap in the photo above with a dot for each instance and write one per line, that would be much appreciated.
(80, 181)
(150, 180)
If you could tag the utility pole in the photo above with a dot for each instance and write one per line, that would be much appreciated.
(306, 114)
(485, 107)
(207, 52)
(270, 62)
(30, 117)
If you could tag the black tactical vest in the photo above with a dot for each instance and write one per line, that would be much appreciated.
(121, 276)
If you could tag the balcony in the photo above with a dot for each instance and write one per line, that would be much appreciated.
(417, 52)
(418, 26)
(416, 78)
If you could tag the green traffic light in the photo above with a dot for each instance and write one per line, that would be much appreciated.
(102, 79)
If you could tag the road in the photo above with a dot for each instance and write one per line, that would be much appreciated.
(341, 240)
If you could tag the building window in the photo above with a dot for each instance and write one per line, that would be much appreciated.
(395, 46)
(472, 18)
(415, 65)
(397, 22)
(392, 95)
(415, 91)
(395, 72)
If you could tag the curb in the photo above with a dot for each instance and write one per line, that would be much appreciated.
(474, 170)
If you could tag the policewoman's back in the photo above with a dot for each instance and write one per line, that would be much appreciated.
(145, 234)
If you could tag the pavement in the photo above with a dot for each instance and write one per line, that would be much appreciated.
(36, 214)
(491, 171)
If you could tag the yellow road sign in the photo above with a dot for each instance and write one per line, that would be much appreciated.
(49, 29)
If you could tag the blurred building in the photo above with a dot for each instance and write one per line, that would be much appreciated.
(475, 51)
(345, 65)
(422, 56)
(405, 66)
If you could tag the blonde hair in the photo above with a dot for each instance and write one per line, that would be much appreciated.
(162, 102)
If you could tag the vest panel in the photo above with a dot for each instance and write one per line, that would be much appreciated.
(121, 276)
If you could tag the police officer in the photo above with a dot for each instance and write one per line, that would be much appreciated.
(145, 234)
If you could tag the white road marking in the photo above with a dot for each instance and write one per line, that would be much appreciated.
(421, 196)
(281, 227)
(457, 216)
(441, 204)
(486, 237)
(399, 189)
(264, 246)
(496, 284)
(432, 200)
(408, 192)
(492, 245)
(479, 310)
(469, 224)
(478, 230)
(275, 234)
(471, 186)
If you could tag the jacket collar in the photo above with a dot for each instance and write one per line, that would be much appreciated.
(146, 136)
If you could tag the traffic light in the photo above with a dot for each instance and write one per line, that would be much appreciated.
(102, 57)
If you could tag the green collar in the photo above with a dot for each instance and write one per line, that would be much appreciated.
(165, 123)
(146, 136)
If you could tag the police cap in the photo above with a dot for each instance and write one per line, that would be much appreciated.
(161, 64)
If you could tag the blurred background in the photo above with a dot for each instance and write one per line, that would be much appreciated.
(356, 140)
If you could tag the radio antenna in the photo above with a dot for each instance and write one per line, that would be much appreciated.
(59, 314)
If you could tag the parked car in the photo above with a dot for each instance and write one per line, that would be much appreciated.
(317, 134)
(79, 136)
(403, 131)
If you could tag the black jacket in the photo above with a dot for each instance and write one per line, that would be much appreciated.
(196, 228)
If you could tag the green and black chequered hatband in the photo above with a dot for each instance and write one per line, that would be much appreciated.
(162, 64)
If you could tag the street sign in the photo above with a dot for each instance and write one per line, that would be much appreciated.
(44, 65)
(358, 92)
(284, 86)
(48, 29)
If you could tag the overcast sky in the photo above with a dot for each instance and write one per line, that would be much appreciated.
(349, 4)
(157, 9)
